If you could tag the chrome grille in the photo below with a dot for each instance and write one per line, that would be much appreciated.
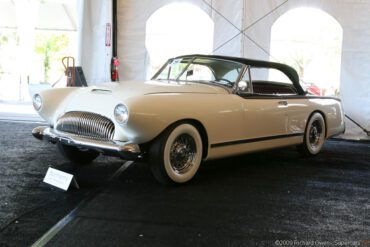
(86, 124)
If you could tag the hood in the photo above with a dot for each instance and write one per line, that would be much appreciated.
(100, 98)
(128, 89)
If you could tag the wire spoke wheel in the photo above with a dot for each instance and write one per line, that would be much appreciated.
(314, 136)
(176, 155)
(183, 153)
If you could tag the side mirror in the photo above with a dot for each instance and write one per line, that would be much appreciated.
(189, 73)
(242, 86)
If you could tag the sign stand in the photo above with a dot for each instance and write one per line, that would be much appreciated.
(59, 179)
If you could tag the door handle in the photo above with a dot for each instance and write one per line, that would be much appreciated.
(283, 102)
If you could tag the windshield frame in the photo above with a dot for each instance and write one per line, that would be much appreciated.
(208, 82)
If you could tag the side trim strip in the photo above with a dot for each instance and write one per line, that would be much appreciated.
(285, 96)
(259, 139)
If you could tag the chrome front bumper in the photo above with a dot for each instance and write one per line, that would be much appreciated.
(123, 150)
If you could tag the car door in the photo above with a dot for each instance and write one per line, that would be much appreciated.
(265, 116)
(298, 111)
(265, 111)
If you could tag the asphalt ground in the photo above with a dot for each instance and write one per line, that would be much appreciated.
(29, 207)
(251, 200)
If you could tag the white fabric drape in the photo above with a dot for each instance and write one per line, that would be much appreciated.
(93, 54)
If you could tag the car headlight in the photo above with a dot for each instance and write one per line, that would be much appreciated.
(121, 114)
(37, 102)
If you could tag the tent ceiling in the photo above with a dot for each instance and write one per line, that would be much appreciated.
(7, 13)
(56, 16)
(52, 15)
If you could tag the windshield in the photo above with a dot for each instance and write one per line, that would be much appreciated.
(203, 70)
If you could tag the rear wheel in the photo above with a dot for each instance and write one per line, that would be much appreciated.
(176, 155)
(314, 136)
(77, 156)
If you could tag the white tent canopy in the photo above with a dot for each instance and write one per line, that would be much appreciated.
(7, 14)
(49, 14)
(57, 16)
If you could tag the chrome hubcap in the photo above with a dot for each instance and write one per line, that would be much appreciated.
(315, 134)
(183, 153)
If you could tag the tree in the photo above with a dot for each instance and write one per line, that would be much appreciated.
(300, 61)
(49, 46)
(7, 40)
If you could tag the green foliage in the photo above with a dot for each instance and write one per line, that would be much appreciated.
(8, 37)
(7, 40)
(4, 39)
(50, 47)
(337, 92)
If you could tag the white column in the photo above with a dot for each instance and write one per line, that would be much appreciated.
(93, 54)
(26, 13)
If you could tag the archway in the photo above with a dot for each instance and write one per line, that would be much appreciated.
(310, 40)
(177, 29)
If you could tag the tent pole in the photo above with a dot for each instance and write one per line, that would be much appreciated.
(114, 22)
(243, 26)
(114, 62)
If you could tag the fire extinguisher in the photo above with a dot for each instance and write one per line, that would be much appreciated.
(114, 69)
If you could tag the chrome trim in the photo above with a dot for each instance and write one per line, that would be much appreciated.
(34, 100)
(183, 154)
(185, 69)
(250, 80)
(258, 139)
(228, 89)
(124, 150)
(86, 124)
(234, 89)
(128, 114)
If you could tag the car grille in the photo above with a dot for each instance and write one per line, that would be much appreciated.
(86, 124)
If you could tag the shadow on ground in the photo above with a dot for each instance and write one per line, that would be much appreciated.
(250, 200)
(28, 207)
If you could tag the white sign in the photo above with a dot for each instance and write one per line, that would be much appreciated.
(59, 179)
(108, 31)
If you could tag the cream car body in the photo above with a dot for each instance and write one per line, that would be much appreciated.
(230, 122)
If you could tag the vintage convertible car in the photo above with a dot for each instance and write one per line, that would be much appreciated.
(196, 108)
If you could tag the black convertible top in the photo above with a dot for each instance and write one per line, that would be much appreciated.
(287, 70)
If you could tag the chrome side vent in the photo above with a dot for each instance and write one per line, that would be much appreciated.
(102, 91)
(86, 124)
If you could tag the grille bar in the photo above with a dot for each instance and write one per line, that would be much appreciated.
(86, 124)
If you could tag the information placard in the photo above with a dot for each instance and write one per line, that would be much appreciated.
(59, 179)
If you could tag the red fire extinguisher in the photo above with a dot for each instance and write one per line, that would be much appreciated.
(114, 69)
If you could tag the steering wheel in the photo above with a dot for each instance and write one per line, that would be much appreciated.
(226, 80)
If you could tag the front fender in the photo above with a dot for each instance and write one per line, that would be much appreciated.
(152, 114)
(54, 101)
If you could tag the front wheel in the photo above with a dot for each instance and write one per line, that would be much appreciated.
(314, 136)
(77, 156)
(176, 155)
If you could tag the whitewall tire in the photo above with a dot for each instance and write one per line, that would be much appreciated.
(314, 136)
(176, 155)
